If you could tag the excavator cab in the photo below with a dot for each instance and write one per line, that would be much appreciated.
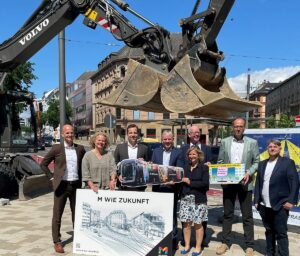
(19, 173)
(18, 129)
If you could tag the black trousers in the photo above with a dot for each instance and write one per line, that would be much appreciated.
(230, 192)
(275, 223)
(61, 194)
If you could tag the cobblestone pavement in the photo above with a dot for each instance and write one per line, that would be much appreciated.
(25, 229)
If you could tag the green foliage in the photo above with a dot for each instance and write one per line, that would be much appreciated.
(52, 114)
(253, 125)
(224, 132)
(271, 122)
(284, 121)
(20, 79)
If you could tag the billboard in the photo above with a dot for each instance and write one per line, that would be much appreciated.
(123, 223)
(290, 147)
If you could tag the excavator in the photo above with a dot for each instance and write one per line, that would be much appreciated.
(185, 79)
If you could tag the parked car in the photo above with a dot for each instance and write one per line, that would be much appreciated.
(41, 144)
(48, 140)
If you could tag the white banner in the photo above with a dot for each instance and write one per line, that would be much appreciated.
(123, 223)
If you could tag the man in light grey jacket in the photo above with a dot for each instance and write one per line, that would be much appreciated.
(243, 150)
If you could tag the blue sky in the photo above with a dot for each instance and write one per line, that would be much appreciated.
(260, 35)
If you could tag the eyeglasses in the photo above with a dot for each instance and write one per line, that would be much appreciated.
(238, 127)
(195, 133)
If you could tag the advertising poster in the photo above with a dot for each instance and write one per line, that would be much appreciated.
(290, 147)
(226, 173)
(137, 173)
(123, 223)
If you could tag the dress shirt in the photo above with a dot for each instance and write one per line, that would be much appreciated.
(71, 172)
(265, 190)
(132, 151)
(236, 154)
(166, 156)
(195, 145)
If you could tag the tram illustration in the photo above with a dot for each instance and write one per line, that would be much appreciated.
(139, 173)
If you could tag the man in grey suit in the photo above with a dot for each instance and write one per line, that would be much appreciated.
(239, 149)
(131, 150)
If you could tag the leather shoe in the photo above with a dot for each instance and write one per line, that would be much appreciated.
(58, 248)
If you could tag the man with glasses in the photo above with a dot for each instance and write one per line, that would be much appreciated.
(239, 149)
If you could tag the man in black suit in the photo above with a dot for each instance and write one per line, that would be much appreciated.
(168, 155)
(131, 150)
(276, 191)
(66, 178)
(194, 137)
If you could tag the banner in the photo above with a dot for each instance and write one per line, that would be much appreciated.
(137, 173)
(290, 147)
(123, 223)
(226, 173)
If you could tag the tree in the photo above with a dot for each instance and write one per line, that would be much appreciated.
(286, 121)
(20, 79)
(271, 123)
(52, 114)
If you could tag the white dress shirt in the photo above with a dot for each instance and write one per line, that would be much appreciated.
(236, 154)
(71, 172)
(166, 157)
(266, 184)
(132, 151)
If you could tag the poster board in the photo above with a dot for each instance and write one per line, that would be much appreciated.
(123, 223)
(226, 173)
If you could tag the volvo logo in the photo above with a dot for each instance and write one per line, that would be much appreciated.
(34, 32)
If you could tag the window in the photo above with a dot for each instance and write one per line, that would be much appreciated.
(166, 115)
(150, 115)
(123, 71)
(151, 133)
(181, 115)
(118, 113)
(136, 115)
(181, 136)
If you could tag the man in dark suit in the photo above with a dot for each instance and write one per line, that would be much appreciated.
(66, 178)
(276, 192)
(170, 156)
(194, 138)
(131, 150)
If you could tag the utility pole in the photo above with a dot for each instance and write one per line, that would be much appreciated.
(62, 82)
(248, 96)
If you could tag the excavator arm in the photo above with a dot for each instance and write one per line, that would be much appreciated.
(185, 80)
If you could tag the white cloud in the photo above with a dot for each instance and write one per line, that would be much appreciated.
(273, 75)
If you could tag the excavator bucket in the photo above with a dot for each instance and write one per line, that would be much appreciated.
(182, 93)
(138, 90)
(145, 89)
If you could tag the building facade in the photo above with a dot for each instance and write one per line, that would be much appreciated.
(260, 94)
(285, 98)
(80, 97)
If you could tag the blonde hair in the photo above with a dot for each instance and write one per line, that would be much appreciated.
(93, 139)
(198, 151)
